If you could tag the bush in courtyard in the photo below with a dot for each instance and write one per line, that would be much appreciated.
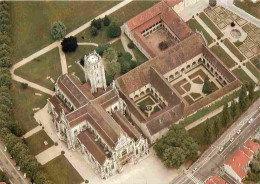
(131, 45)
(69, 44)
(58, 30)
(207, 88)
(114, 31)
(163, 45)
(212, 2)
(93, 31)
(106, 21)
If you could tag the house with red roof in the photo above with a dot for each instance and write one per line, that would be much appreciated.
(216, 179)
(237, 164)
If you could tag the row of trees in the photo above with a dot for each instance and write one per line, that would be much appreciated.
(10, 131)
(253, 176)
(113, 29)
(229, 113)
(176, 147)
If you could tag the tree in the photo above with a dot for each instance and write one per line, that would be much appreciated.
(243, 99)
(213, 2)
(93, 31)
(110, 55)
(97, 23)
(11, 140)
(69, 44)
(4, 39)
(255, 166)
(4, 177)
(208, 133)
(163, 45)
(174, 157)
(225, 115)
(106, 21)
(216, 127)
(207, 88)
(5, 80)
(251, 90)
(131, 45)
(101, 48)
(113, 68)
(109, 78)
(5, 62)
(114, 31)
(58, 30)
(125, 67)
(233, 109)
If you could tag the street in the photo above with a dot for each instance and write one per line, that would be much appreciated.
(211, 161)
(8, 166)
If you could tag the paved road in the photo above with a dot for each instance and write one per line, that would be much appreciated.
(7, 165)
(211, 161)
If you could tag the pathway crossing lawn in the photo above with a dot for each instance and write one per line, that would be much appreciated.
(73, 57)
(194, 25)
(234, 50)
(253, 70)
(37, 70)
(120, 16)
(24, 100)
(61, 171)
(118, 46)
(223, 56)
(249, 7)
(36, 142)
(31, 21)
(211, 25)
(242, 76)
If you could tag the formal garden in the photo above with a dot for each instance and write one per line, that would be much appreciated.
(148, 105)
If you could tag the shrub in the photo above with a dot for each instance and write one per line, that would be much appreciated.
(163, 45)
(207, 88)
(24, 85)
(58, 30)
(131, 45)
(114, 31)
(97, 23)
(101, 48)
(232, 24)
(5, 62)
(69, 44)
(106, 21)
(212, 2)
(93, 31)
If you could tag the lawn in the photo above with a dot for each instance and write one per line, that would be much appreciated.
(31, 21)
(249, 7)
(139, 56)
(119, 17)
(256, 61)
(241, 75)
(234, 50)
(24, 100)
(194, 25)
(211, 25)
(36, 142)
(37, 70)
(73, 57)
(223, 56)
(61, 171)
(253, 70)
(118, 46)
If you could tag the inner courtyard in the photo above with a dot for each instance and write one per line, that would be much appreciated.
(148, 105)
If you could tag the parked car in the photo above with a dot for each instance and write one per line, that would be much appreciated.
(238, 132)
(221, 149)
(195, 169)
(232, 139)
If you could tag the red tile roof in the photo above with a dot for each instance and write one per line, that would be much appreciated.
(216, 179)
(238, 161)
(251, 145)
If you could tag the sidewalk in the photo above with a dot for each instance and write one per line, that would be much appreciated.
(33, 131)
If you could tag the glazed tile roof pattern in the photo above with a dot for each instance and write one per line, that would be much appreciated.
(92, 146)
(74, 90)
(216, 179)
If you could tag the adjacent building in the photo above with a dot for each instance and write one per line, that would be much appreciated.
(215, 179)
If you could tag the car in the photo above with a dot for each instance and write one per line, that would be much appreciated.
(232, 139)
(238, 132)
(195, 169)
(221, 149)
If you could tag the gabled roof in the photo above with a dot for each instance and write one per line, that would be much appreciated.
(252, 146)
(216, 179)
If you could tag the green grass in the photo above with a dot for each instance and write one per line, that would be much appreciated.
(242, 76)
(238, 43)
(253, 70)
(75, 56)
(119, 17)
(139, 56)
(223, 56)
(37, 70)
(234, 50)
(61, 171)
(31, 21)
(36, 142)
(23, 103)
(118, 46)
(249, 7)
(194, 25)
(211, 25)
(256, 61)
